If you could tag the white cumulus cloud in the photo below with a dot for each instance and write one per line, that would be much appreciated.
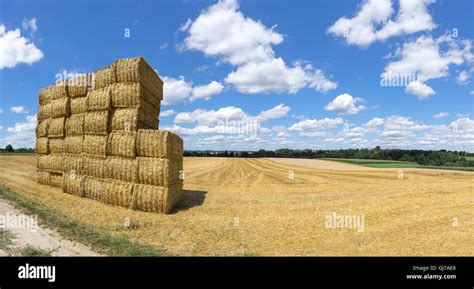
(346, 104)
(16, 49)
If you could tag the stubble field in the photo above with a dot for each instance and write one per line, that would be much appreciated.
(278, 207)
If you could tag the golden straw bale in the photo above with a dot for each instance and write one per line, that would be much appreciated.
(94, 166)
(60, 107)
(95, 145)
(132, 94)
(56, 145)
(122, 144)
(138, 70)
(73, 144)
(56, 179)
(78, 105)
(132, 119)
(75, 125)
(43, 177)
(118, 193)
(122, 169)
(42, 145)
(44, 111)
(73, 163)
(96, 122)
(53, 92)
(51, 162)
(94, 188)
(73, 184)
(158, 171)
(42, 128)
(79, 85)
(56, 127)
(159, 144)
(156, 199)
(104, 77)
(99, 99)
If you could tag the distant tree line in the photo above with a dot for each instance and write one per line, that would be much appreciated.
(422, 157)
(9, 149)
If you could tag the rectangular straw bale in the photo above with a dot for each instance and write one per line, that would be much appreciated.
(42, 145)
(78, 105)
(42, 177)
(51, 162)
(56, 179)
(99, 99)
(60, 107)
(118, 193)
(156, 199)
(104, 77)
(132, 94)
(94, 166)
(53, 92)
(56, 145)
(95, 145)
(97, 122)
(56, 127)
(122, 169)
(73, 163)
(138, 70)
(159, 144)
(94, 188)
(73, 184)
(75, 124)
(79, 85)
(131, 119)
(122, 144)
(73, 144)
(42, 128)
(44, 111)
(158, 171)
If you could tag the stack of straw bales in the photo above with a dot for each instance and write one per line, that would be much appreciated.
(97, 138)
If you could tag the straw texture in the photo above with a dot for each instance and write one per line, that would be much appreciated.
(44, 111)
(73, 144)
(132, 94)
(56, 179)
(155, 198)
(104, 77)
(75, 125)
(94, 188)
(42, 128)
(42, 177)
(79, 85)
(94, 166)
(138, 70)
(122, 144)
(96, 122)
(158, 172)
(95, 145)
(78, 105)
(73, 184)
(56, 145)
(159, 144)
(73, 163)
(122, 169)
(118, 193)
(56, 127)
(132, 119)
(42, 145)
(51, 162)
(60, 107)
(53, 92)
(99, 99)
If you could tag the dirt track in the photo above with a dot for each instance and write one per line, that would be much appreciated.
(254, 206)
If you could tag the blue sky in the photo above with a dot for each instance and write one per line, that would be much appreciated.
(260, 74)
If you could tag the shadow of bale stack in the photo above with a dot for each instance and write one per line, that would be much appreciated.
(97, 137)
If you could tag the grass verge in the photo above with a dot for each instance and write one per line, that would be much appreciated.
(99, 240)
(396, 164)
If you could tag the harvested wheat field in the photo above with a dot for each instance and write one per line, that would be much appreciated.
(251, 206)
